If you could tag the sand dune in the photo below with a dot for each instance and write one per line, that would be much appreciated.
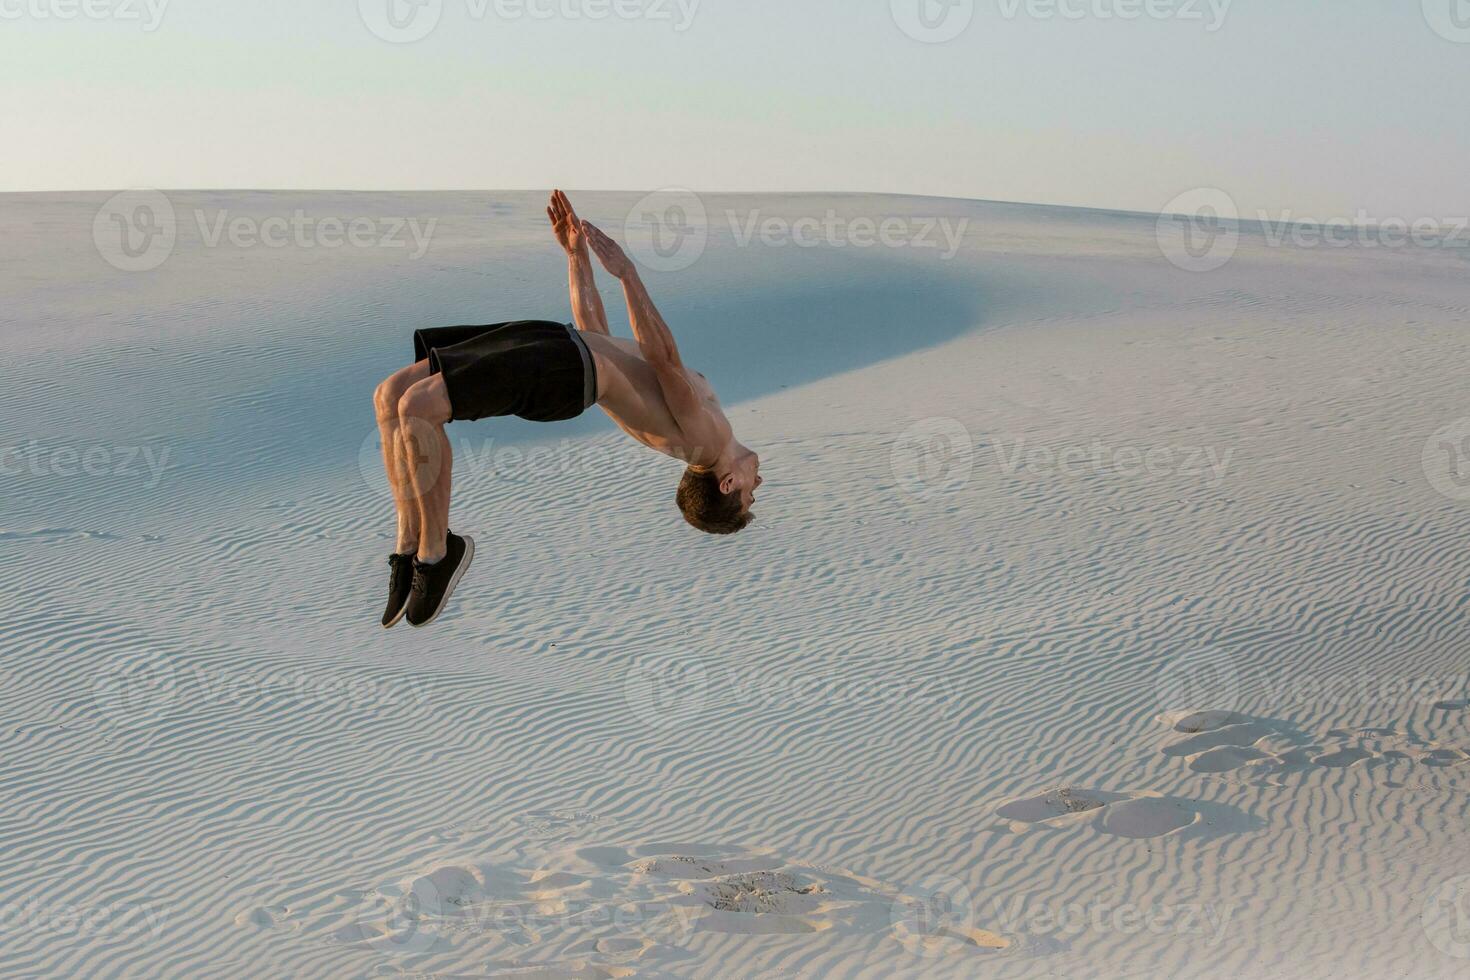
(1100, 618)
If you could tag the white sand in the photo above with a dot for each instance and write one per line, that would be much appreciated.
(936, 714)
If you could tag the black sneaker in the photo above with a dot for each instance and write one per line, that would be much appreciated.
(399, 584)
(434, 584)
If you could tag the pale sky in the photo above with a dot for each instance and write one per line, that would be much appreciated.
(1322, 106)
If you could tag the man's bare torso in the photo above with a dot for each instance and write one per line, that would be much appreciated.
(628, 390)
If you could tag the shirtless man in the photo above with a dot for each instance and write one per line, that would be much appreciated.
(549, 372)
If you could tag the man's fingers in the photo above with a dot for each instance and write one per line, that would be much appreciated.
(597, 235)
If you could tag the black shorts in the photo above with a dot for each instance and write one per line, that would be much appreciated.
(534, 369)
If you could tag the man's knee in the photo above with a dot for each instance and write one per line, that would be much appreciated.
(388, 395)
(385, 399)
(427, 400)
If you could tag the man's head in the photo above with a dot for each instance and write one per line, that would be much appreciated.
(718, 501)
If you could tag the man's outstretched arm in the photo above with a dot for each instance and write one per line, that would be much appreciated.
(702, 432)
(655, 339)
(587, 308)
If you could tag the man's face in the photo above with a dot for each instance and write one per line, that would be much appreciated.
(749, 472)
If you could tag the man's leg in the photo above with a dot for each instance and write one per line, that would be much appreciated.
(423, 411)
(395, 460)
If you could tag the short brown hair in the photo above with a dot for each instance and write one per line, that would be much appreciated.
(706, 508)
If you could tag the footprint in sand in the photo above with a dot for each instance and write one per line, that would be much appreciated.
(1137, 816)
(1218, 742)
(1238, 735)
(612, 911)
(272, 918)
(693, 868)
(549, 824)
(736, 892)
(1343, 758)
(1064, 802)
(1147, 817)
(1226, 758)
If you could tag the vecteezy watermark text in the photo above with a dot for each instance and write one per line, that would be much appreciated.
(938, 21)
(138, 230)
(1020, 915)
(139, 688)
(406, 21)
(1206, 463)
(305, 231)
(669, 230)
(1210, 13)
(113, 920)
(1200, 230)
(1361, 688)
(671, 690)
(148, 13)
(475, 457)
(99, 461)
(1364, 230)
(938, 455)
(834, 231)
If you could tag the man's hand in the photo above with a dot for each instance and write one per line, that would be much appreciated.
(610, 253)
(587, 309)
(566, 225)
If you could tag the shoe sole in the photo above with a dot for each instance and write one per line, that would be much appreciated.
(399, 618)
(464, 566)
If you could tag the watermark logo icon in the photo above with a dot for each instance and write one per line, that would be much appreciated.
(1198, 231)
(1199, 679)
(136, 688)
(933, 21)
(932, 457)
(420, 462)
(668, 230)
(1446, 917)
(401, 21)
(1450, 19)
(667, 691)
(1446, 460)
(939, 907)
(136, 230)
(398, 921)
